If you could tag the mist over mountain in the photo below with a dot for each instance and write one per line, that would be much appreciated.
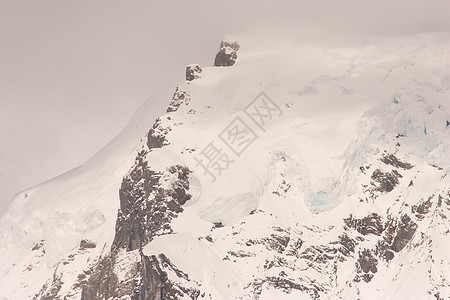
(303, 156)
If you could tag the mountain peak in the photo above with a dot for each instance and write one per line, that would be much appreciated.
(302, 171)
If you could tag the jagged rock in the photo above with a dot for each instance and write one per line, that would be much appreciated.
(51, 289)
(102, 282)
(227, 54)
(179, 188)
(193, 72)
(152, 281)
(156, 137)
(226, 57)
(179, 97)
(404, 233)
(285, 285)
(347, 244)
(172, 290)
(321, 253)
(384, 251)
(230, 44)
(277, 261)
(146, 208)
(370, 224)
(217, 225)
(277, 242)
(385, 181)
(397, 235)
(295, 247)
(38, 245)
(423, 208)
(87, 244)
(365, 265)
(392, 160)
(145, 280)
(241, 253)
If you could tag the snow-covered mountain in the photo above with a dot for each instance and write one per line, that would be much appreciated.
(292, 168)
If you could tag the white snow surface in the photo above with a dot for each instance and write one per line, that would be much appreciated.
(340, 108)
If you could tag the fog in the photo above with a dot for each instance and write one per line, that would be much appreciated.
(73, 72)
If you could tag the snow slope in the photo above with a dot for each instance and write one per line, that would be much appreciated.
(328, 179)
(80, 204)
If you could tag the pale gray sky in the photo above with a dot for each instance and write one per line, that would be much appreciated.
(73, 72)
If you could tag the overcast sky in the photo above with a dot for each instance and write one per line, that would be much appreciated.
(73, 72)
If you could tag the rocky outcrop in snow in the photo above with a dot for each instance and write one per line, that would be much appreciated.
(333, 196)
(193, 71)
(227, 54)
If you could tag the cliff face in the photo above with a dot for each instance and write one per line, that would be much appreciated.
(271, 179)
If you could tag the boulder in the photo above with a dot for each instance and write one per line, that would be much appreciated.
(227, 54)
(193, 72)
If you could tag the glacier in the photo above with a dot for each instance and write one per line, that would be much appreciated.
(300, 171)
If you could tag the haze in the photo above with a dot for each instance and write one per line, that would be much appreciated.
(73, 72)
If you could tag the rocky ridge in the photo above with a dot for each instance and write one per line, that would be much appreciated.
(392, 220)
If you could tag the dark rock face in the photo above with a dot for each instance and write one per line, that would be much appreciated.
(146, 208)
(172, 290)
(347, 244)
(156, 137)
(193, 72)
(404, 231)
(284, 284)
(397, 235)
(179, 97)
(227, 54)
(385, 181)
(38, 245)
(50, 291)
(225, 58)
(277, 242)
(100, 282)
(370, 224)
(87, 244)
(423, 208)
(392, 160)
(366, 265)
(152, 281)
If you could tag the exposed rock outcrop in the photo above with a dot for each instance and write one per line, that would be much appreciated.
(146, 208)
(179, 97)
(366, 266)
(370, 224)
(385, 181)
(156, 137)
(392, 160)
(227, 54)
(193, 72)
